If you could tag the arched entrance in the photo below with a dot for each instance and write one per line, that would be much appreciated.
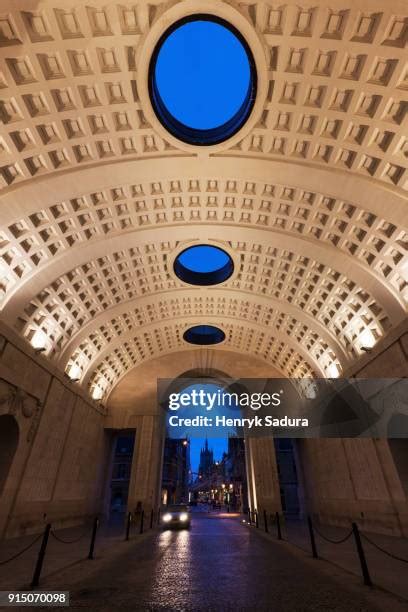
(9, 435)
(399, 451)
(202, 466)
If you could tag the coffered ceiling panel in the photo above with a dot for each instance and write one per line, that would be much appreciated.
(309, 197)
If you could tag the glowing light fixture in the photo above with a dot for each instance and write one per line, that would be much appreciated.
(366, 340)
(39, 341)
(308, 388)
(75, 372)
(333, 370)
(97, 393)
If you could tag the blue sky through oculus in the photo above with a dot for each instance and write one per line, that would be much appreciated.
(202, 74)
(202, 258)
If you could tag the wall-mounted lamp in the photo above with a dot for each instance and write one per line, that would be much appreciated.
(97, 393)
(74, 373)
(333, 371)
(39, 341)
(366, 340)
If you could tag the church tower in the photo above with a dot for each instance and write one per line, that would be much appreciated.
(206, 460)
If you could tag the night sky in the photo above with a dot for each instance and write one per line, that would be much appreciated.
(203, 258)
(217, 436)
(218, 445)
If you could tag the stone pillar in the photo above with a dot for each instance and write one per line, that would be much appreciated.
(144, 485)
(391, 470)
(249, 464)
(354, 479)
(263, 475)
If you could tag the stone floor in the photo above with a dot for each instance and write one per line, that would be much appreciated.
(17, 574)
(218, 565)
(385, 571)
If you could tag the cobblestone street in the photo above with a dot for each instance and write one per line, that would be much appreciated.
(217, 565)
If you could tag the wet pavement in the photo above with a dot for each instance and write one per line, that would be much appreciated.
(217, 565)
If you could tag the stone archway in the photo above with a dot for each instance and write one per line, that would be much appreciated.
(186, 478)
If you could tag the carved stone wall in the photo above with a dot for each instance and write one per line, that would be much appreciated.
(55, 473)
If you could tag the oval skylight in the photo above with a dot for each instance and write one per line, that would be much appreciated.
(203, 264)
(204, 335)
(202, 80)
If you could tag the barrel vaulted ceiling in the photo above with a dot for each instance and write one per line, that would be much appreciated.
(308, 198)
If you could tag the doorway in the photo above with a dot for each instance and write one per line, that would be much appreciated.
(399, 451)
(207, 474)
(9, 435)
(288, 476)
(121, 466)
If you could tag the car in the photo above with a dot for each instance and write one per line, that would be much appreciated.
(176, 515)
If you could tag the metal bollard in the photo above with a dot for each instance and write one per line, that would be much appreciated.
(129, 522)
(265, 522)
(151, 519)
(93, 538)
(158, 516)
(361, 555)
(256, 519)
(41, 554)
(278, 525)
(249, 516)
(141, 521)
(312, 538)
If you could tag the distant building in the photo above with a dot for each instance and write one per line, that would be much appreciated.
(222, 482)
(235, 472)
(176, 467)
(206, 460)
(121, 468)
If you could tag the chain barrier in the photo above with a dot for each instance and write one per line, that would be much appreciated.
(386, 552)
(331, 540)
(45, 538)
(59, 539)
(22, 551)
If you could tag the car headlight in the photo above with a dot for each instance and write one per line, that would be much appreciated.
(167, 517)
(184, 517)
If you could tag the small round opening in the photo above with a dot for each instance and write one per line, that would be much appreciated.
(204, 334)
(203, 264)
(202, 80)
